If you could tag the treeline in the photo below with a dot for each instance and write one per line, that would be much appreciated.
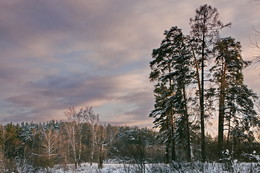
(199, 77)
(30, 147)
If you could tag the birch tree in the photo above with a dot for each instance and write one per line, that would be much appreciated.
(50, 141)
(87, 115)
(74, 134)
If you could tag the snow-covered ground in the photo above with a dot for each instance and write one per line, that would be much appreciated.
(235, 167)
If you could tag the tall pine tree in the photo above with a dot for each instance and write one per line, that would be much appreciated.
(205, 27)
(235, 99)
(172, 71)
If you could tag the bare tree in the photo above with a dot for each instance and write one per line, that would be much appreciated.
(50, 140)
(74, 130)
(74, 134)
(86, 115)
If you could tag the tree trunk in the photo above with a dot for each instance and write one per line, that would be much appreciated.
(220, 126)
(202, 124)
(80, 144)
(93, 144)
(229, 128)
(100, 158)
(167, 145)
(221, 111)
(201, 99)
(74, 147)
(187, 124)
(171, 123)
(173, 153)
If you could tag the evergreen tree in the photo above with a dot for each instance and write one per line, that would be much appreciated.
(205, 27)
(171, 69)
(235, 99)
(11, 146)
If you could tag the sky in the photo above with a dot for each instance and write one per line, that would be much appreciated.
(55, 54)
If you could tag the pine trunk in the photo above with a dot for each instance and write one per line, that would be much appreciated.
(168, 142)
(187, 125)
(173, 153)
(202, 116)
(221, 112)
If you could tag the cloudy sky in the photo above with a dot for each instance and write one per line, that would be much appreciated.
(60, 53)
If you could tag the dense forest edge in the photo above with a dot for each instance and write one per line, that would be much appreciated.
(31, 147)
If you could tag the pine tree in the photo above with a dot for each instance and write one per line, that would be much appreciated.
(164, 119)
(11, 146)
(171, 69)
(235, 99)
(205, 27)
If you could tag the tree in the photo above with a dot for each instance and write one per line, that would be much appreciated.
(172, 71)
(131, 144)
(74, 134)
(256, 44)
(49, 143)
(2, 157)
(63, 145)
(164, 119)
(205, 27)
(100, 141)
(30, 144)
(11, 148)
(235, 99)
(87, 115)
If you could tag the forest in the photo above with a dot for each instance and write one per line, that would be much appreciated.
(198, 82)
(35, 147)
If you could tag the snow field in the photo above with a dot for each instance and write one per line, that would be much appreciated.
(197, 167)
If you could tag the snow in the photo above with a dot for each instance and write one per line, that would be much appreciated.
(195, 167)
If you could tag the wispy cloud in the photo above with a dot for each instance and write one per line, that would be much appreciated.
(56, 54)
